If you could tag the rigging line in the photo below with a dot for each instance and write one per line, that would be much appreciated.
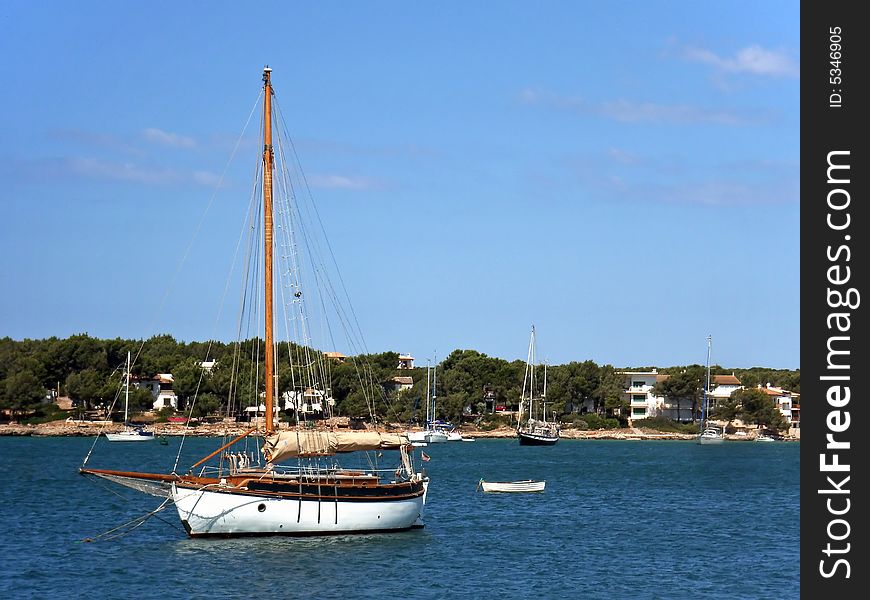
(183, 259)
(250, 276)
(103, 425)
(318, 376)
(351, 331)
(291, 262)
(125, 528)
(141, 519)
(313, 206)
(222, 302)
(217, 186)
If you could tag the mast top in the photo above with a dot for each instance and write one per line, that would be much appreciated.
(267, 73)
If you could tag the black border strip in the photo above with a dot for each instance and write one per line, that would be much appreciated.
(834, 230)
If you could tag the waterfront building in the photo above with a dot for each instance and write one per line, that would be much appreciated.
(786, 402)
(642, 401)
(160, 387)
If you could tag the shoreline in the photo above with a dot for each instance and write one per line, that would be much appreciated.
(67, 429)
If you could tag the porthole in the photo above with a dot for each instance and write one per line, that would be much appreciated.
(261, 507)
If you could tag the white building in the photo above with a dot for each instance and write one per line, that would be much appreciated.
(399, 384)
(784, 400)
(722, 386)
(207, 365)
(309, 402)
(638, 391)
(160, 387)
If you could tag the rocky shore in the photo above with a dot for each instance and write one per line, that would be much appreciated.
(92, 428)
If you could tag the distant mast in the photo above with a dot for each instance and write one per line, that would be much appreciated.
(434, 391)
(544, 395)
(268, 165)
(706, 409)
(127, 390)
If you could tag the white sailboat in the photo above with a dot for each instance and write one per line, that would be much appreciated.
(530, 430)
(429, 435)
(433, 434)
(709, 434)
(294, 485)
(130, 433)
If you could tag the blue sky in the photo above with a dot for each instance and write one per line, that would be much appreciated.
(623, 175)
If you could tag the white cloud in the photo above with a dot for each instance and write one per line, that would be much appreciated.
(166, 138)
(95, 139)
(343, 182)
(93, 168)
(752, 59)
(102, 170)
(626, 111)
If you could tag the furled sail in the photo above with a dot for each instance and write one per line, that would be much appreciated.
(291, 444)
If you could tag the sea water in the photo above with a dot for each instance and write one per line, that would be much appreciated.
(618, 519)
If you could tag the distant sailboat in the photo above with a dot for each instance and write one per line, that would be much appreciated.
(709, 434)
(431, 434)
(130, 433)
(530, 430)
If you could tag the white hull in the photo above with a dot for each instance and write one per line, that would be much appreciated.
(435, 437)
(426, 437)
(513, 486)
(416, 436)
(205, 512)
(128, 436)
(711, 435)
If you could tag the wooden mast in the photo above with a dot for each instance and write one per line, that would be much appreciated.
(268, 164)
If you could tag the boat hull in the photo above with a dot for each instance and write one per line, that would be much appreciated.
(215, 512)
(436, 437)
(513, 486)
(416, 436)
(131, 436)
(536, 439)
(711, 436)
(427, 436)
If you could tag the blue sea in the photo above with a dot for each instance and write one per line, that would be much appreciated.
(618, 519)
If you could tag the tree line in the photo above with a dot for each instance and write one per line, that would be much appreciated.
(90, 370)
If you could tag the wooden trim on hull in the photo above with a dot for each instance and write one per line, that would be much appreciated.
(132, 475)
(328, 490)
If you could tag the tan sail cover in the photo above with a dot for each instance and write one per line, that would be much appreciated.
(290, 444)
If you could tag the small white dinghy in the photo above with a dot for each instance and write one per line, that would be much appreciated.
(525, 485)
